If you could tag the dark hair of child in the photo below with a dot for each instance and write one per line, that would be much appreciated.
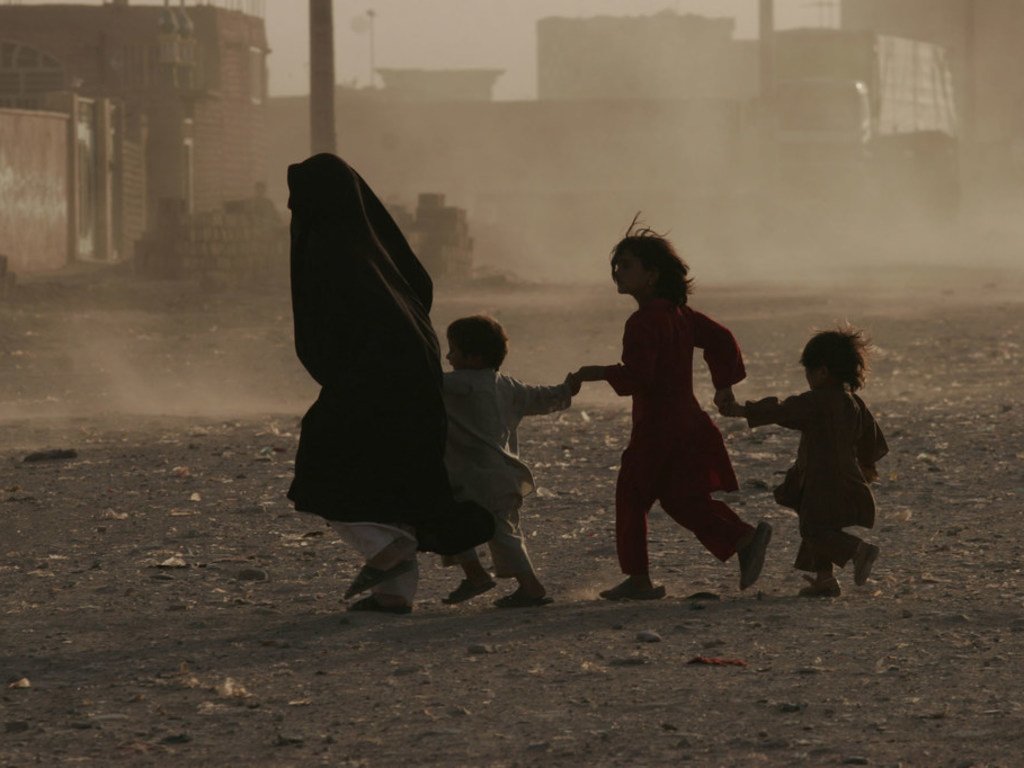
(842, 351)
(482, 336)
(655, 252)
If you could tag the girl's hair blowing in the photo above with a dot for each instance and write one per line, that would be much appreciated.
(655, 252)
(844, 352)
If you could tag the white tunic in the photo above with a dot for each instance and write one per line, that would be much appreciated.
(482, 454)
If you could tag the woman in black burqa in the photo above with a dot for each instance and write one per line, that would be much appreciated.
(371, 451)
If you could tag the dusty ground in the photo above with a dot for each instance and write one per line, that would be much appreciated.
(161, 604)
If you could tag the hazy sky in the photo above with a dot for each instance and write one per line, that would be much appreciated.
(447, 34)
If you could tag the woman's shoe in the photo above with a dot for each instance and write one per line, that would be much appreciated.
(369, 577)
(371, 604)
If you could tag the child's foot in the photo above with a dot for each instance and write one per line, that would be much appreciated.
(630, 590)
(863, 559)
(827, 587)
(467, 590)
(751, 556)
(521, 599)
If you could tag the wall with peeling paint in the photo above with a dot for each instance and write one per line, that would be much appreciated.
(33, 190)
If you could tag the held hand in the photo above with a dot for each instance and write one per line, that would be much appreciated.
(724, 397)
(590, 373)
(574, 382)
(732, 409)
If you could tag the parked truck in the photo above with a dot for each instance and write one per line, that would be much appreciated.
(867, 113)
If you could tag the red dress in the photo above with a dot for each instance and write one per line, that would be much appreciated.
(676, 454)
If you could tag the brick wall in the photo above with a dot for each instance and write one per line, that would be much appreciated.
(243, 243)
(33, 190)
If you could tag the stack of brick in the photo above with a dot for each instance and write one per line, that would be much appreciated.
(243, 244)
(439, 235)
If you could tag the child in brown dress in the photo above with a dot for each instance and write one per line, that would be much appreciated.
(840, 442)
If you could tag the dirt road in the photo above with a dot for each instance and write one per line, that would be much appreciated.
(161, 604)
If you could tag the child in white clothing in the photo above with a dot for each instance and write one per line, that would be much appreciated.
(484, 410)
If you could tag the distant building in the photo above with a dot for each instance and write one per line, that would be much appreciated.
(984, 40)
(439, 84)
(165, 103)
(664, 56)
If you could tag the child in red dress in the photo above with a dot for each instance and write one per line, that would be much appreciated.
(675, 455)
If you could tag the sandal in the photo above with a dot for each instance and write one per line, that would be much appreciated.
(751, 557)
(467, 590)
(518, 600)
(371, 604)
(626, 591)
(825, 588)
(369, 577)
(863, 559)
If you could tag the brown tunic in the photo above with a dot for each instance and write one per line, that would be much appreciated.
(839, 445)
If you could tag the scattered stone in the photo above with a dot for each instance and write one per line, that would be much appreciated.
(408, 669)
(21, 682)
(791, 707)
(703, 596)
(480, 648)
(252, 574)
(288, 741)
(175, 561)
(177, 738)
(856, 760)
(15, 726)
(230, 689)
(52, 454)
(628, 661)
(648, 636)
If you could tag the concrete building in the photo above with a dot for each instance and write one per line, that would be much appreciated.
(664, 56)
(163, 104)
(439, 84)
(984, 39)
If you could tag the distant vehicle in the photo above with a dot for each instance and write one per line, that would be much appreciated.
(861, 111)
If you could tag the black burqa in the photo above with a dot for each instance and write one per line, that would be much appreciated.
(372, 445)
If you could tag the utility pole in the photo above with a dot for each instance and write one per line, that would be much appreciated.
(766, 41)
(968, 125)
(321, 76)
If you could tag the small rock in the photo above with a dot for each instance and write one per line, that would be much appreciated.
(648, 636)
(480, 648)
(175, 561)
(252, 574)
(177, 738)
(51, 455)
(628, 661)
(15, 726)
(21, 682)
(856, 760)
(703, 596)
(409, 669)
(790, 707)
